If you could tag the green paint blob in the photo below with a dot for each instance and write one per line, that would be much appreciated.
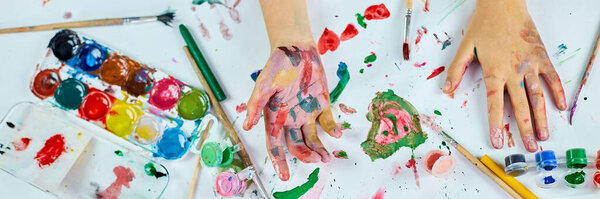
(575, 178)
(344, 76)
(382, 102)
(371, 58)
(437, 112)
(360, 20)
(119, 153)
(346, 125)
(341, 154)
(200, 2)
(192, 105)
(70, 93)
(298, 191)
(151, 170)
(362, 70)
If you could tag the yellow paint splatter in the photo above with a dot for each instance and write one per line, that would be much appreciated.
(285, 77)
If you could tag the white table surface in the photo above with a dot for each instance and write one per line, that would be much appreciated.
(573, 23)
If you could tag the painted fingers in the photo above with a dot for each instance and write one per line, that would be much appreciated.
(274, 141)
(495, 101)
(328, 124)
(459, 65)
(538, 105)
(553, 80)
(518, 98)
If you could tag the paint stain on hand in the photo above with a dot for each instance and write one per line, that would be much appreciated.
(52, 150)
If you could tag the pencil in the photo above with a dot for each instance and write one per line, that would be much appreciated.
(511, 181)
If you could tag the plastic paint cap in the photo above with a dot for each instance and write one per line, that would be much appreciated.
(546, 160)
(514, 158)
(576, 158)
(515, 165)
(598, 159)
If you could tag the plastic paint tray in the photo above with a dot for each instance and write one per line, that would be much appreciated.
(131, 100)
(87, 165)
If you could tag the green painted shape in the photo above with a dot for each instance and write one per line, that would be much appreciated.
(413, 139)
(342, 154)
(437, 112)
(575, 178)
(360, 20)
(298, 191)
(119, 153)
(362, 70)
(200, 2)
(344, 76)
(346, 125)
(370, 58)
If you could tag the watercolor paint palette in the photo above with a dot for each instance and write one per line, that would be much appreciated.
(131, 100)
(57, 153)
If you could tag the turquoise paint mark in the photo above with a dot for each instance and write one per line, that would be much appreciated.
(570, 57)
(521, 66)
(560, 51)
(458, 4)
(344, 76)
(200, 2)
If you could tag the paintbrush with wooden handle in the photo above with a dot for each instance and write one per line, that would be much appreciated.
(166, 18)
(405, 47)
(586, 74)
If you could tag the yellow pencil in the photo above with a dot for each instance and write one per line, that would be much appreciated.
(511, 181)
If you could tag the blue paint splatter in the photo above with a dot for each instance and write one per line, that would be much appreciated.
(254, 75)
(521, 66)
(342, 73)
(90, 57)
(522, 84)
(560, 51)
(173, 144)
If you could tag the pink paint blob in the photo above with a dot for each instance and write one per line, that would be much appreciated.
(396, 168)
(124, 176)
(240, 108)
(438, 164)
(165, 93)
(346, 109)
(419, 65)
(403, 126)
(21, 144)
(379, 194)
(67, 15)
(225, 31)
(204, 31)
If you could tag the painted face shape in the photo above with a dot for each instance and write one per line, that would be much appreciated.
(95, 105)
(64, 44)
(165, 93)
(70, 93)
(192, 105)
(394, 124)
(90, 57)
(140, 82)
(116, 69)
(173, 144)
(45, 83)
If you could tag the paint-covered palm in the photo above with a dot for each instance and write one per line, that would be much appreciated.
(292, 93)
(503, 38)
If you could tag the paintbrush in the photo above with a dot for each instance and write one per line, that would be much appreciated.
(429, 122)
(198, 161)
(405, 48)
(166, 18)
(588, 70)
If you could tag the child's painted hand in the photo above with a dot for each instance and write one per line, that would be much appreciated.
(503, 38)
(292, 93)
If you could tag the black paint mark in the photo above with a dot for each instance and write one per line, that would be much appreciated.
(584, 98)
(10, 124)
(294, 55)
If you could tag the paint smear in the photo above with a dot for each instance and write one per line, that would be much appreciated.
(45, 2)
(456, 4)
(298, 191)
(444, 43)
(200, 2)
(370, 58)
(426, 8)
(21, 144)
(437, 112)
(413, 164)
(346, 125)
(511, 141)
(225, 31)
(377, 12)
(119, 153)
(379, 194)
(342, 73)
(340, 154)
(349, 33)
(204, 31)
(254, 75)
(346, 109)
(560, 51)
(151, 170)
(360, 19)
(328, 41)
(396, 168)
(52, 150)
(419, 65)
(436, 72)
(464, 104)
(240, 108)
(124, 177)
(67, 15)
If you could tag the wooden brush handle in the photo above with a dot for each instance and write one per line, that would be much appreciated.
(75, 24)
(487, 171)
(198, 162)
(409, 4)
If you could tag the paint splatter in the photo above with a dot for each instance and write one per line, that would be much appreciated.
(444, 43)
(436, 72)
(457, 4)
(119, 153)
(379, 194)
(45, 2)
(124, 177)
(413, 164)
(560, 51)
(240, 108)
(419, 65)
(298, 191)
(426, 8)
(340, 154)
(437, 112)
(346, 125)
(394, 124)
(151, 170)
(200, 2)
(361, 71)
(464, 104)
(396, 168)
(349, 33)
(10, 125)
(204, 31)
(52, 150)
(21, 144)
(328, 41)
(360, 19)
(511, 141)
(370, 58)
(225, 31)
(255, 74)
(67, 15)
(377, 12)
(342, 73)
(346, 109)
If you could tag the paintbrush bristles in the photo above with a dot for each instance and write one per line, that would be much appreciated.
(409, 4)
(167, 17)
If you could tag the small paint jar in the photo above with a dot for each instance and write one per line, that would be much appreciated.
(229, 184)
(596, 177)
(515, 165)
(576, 161)
(546, 163)
(218, 154)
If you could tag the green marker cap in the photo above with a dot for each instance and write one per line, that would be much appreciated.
(576, 158)
(212, 154)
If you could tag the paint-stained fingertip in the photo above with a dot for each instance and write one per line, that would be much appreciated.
(543, 134)
(336, 133)
(496, 138)
(283, 176)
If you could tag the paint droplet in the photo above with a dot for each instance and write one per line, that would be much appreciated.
(255, 74)
(119, 153)
(349, 33)
(10, 124)
(437, 112)
(67, 15)
(584, 98)
(436, 72)
(370, 58)
(328, 41)
(151, 170)
(340, 154)
(362, 70)
(240, 108)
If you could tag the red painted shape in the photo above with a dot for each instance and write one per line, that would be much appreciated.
(419, 36)
(21, 144)
(379, 194)
(52, 150)
(426, 8)
(240, 108)
(328, 41)
(489, 93)
(526, 120)
(419, 65)
(511, 141)
(306, 74)
(124, 176)
(464, 104)
(349, 33)
(436, 72)
(413, 164)
(377, 12)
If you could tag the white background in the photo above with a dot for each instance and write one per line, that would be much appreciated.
(573, 23)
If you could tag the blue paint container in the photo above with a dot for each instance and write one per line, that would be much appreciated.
(90, 57)
(173, 144)
(546, 163)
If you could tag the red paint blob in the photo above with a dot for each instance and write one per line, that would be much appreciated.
(419, 65)
(426, 8)
(45, 83)
(436, 72)
(379, 194)
(124, 176)
(349, 33)
(413, 164)
(165, 93)
(597, 179)
(405, 51)
(328, 41)
(52, 150)
(377, 12)
(95, 105)
(21, 144)
(240, 108)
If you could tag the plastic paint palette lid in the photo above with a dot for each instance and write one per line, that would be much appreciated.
(576, 158)
(515, 165)
(546, 160)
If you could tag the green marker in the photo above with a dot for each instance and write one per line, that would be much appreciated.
(202, 65)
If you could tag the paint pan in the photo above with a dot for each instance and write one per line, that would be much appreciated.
(576, 161)
(58, 153)
(133, 101)
(218, 154)
(515, 165)
(546, 163)
(229, 184)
